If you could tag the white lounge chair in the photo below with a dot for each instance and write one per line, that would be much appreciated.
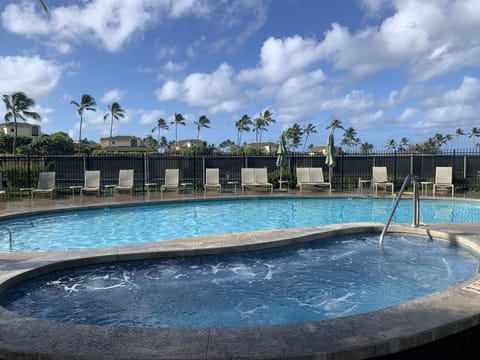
(380, 179)
(261, 179)
(255, 177)
(311, 177)
(46, 184)
(92, 182)
(212, 180)
(125, 181)
(171, 180)
(443, 179)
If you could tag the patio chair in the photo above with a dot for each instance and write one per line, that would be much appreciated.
(261, 179)
(212, 180)
(443, 179)
(3, 194)
(92, 182)
(247, 177)
(171, 180)
(46, 184)
(317, 179)
(125, 181)
(380, 179)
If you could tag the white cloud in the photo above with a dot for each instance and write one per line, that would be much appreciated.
(113, 95)
(282, 58)
(33, 75)
(172, 67)
(216, 91)
(468, 92)
(151, 117)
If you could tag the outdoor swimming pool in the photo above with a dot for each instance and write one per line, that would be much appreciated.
(325, 279)
(107, 227)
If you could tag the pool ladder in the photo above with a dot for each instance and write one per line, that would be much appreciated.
(416, 204)
(9, 236)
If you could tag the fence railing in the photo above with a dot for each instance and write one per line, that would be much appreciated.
(22, 171)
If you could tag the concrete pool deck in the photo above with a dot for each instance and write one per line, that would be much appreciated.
(368, 335)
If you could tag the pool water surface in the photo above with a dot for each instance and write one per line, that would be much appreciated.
(325, 279)
(107, 227)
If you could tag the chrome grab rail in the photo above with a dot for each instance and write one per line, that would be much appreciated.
(416, 204)
(9, 236)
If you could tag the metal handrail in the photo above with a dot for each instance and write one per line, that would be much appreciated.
(9, 236)
(416, 204)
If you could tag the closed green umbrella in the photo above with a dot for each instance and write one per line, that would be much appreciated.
(330, 156)
(282, 160)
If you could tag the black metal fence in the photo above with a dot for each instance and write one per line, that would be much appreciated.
(22, 171)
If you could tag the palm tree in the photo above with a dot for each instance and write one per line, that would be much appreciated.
(17, 105)
(475, 133)
(307, 130)
(261, 123)
(86, 103)
(44, 5)
(294, 135)
(366, 148)
(161, 124)
(242, 125)
(402, 146)
(177, 120)
(203, 122)
(458, 133)
(335, 124)
(349, 137)
(391, 145)
(116, 112)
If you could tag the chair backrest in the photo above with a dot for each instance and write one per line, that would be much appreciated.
(379, 174)
(443, 175)
(125, 177)
(303, 175)
(248, 176)
(46, 180)
(212, 176)
(261, 176)
(172, 177)
(1, 182)
(92, 178)
(316, 175)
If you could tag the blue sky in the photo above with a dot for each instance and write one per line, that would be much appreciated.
(389, 69)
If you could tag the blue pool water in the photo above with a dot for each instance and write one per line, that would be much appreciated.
(324, 279)
(149, 223)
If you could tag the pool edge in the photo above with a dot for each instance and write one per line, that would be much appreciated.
(361, 336)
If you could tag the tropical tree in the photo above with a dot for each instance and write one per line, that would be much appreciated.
(44, 5)
(391, 145)
(366, 148)
(226, 144)
(161, 125)
(307, 130)
(203, 122)
(242, 125)
(260, 125)
(335, 124)
(18, 107)
(163, 143)
(403, 144)
(349, 137)
(178, 119)
(475, 133)
(86, 103)
(116, 112)
(294, 136)
(458, 133)
(151, 143)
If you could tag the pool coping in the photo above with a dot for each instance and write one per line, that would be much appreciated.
(365, 335)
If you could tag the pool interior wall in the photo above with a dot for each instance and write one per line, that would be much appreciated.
(411, 326)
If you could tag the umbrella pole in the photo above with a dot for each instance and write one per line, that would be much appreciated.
(280, 182)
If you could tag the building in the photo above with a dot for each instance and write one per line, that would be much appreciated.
(123, 143)
(23, 129)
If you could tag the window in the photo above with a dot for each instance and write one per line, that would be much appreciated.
(133, 143)
(35, 131)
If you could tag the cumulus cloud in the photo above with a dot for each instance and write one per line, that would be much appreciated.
(216, 91)
(34, 76)
(113, 95)
(150, 117)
